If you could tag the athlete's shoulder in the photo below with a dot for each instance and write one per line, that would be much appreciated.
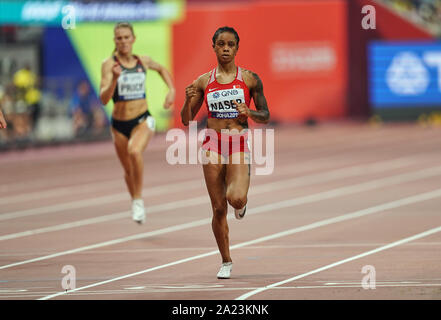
(107, 64)
(251, 78)
(108, 60)
(145, 59)
(202, 81)
(248, 74)
(204, 76)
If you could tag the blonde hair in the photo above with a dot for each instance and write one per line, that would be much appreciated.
(123, 25)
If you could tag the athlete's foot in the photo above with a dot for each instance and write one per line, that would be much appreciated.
(225, 270)
(240, 213)
(138, 211)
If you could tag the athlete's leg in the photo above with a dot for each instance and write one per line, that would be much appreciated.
(238, 179)
(137, 143)
(121, 143)
(214, 174)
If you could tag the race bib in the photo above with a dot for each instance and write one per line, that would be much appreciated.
(220, 102)
(151, 123)
(131, 86)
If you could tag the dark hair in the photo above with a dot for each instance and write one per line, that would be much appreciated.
(225, 29)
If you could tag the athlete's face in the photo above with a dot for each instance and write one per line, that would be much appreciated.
(225, 47)
(124, 40)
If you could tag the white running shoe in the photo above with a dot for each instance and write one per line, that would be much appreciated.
(138, 211)
(225, 270)
(240, 213)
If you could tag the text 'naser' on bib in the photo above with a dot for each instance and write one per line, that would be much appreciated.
(131, 85)
(221, 105)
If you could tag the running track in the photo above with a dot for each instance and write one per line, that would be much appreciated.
(342, 196)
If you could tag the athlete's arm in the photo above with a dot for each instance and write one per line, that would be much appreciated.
(110, 71)
(2, 121)
(166, 76)
(261, 114)
(194, 97)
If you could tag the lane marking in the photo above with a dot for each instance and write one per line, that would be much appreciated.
(379, 208)
(269, 247)
(344, 283)
(309, 179)
(122, 196)
(158, 190)
(335, 264)
(60, 191)
(29, 295)
(365, 186)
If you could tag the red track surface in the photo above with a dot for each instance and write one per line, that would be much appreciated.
(337, 191)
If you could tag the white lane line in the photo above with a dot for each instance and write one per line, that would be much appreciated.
(115, 241)
(222, 288)
(158, 190)
(335, 264)
(359, 286)
(344, 283)
(356, 214)
(29, 295)
(374, 184)
(60, 191)
(265, 247)
(78, 204)
(308, 179)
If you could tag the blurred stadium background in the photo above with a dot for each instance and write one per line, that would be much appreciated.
(316, 60)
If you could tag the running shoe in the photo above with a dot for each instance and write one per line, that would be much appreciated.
(138, 211)
(240, 213)
(225, 270)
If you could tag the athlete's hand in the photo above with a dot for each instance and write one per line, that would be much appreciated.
(190, 91)
(3, 123)
(116, 70)
(244, 111)
(169, 99)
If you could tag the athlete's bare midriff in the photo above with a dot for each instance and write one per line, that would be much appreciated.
(127, 110)
(229, 124)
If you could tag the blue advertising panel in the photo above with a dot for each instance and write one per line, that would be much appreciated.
(404, 74)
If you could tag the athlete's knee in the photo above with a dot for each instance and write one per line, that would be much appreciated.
(134, 151)
(237, 201)
(219, 212)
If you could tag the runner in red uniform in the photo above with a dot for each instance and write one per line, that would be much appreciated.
(227, 91)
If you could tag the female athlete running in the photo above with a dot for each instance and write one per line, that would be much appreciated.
(123, 79)
(227, 91)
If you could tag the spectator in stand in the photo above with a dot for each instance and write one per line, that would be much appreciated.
(26, 102)
(88, 115)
